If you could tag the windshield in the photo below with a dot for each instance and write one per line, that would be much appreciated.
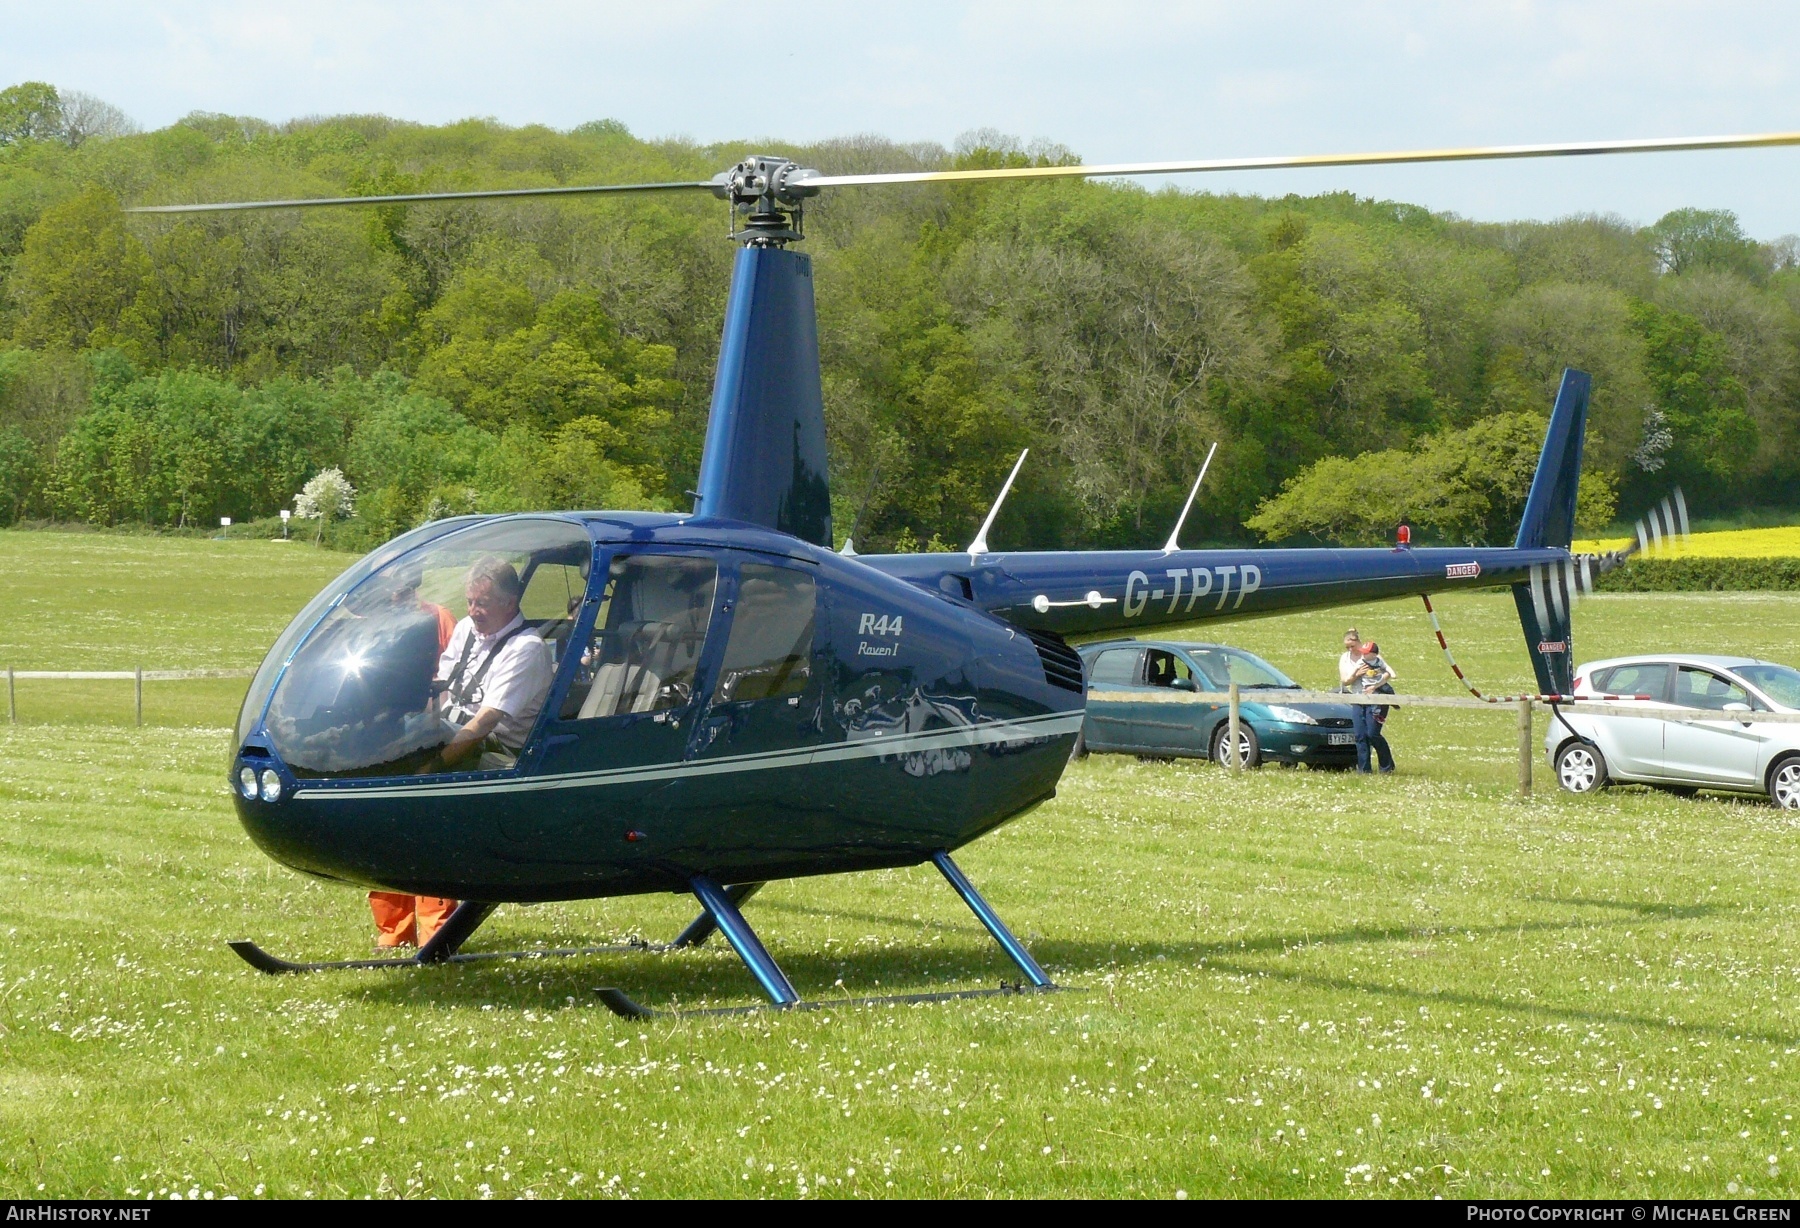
(258, 694)
(1224, 666)
(440, 659)
(1778, 682)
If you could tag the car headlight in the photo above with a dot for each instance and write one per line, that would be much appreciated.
(271, 785)
(1291, 716)
(247, 782)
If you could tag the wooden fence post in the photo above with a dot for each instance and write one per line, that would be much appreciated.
(140, 694)
(1525, 752)
(1232, 726)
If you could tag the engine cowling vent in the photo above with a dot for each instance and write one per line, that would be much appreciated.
(1062, 664)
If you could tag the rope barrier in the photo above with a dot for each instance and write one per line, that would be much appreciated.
(1456, 669)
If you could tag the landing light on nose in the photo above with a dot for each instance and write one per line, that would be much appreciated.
(271, 785)
(247, 782)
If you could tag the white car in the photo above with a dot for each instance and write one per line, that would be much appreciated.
(1736, 752)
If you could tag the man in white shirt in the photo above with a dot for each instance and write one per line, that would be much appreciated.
(494, 673)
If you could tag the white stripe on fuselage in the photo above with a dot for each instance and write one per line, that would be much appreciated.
(984, 734)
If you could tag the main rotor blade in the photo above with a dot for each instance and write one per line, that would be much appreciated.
(417, 197)
(1301, 161)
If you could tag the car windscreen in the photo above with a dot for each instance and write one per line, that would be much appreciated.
(1778, 682)
(1223, 666)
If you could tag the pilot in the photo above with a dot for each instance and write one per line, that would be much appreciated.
(406, 920)
(494, 673)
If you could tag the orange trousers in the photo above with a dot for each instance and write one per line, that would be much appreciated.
(407, 920)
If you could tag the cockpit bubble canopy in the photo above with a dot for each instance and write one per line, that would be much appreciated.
(364, 689)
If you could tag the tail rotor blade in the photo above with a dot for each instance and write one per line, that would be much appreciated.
(1537, 596)
(1681, 513)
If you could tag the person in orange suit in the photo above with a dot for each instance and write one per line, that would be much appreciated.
(410, 920)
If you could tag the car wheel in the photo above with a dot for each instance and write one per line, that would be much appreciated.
(1784, 783)
(1580, 768)
(1249, 749)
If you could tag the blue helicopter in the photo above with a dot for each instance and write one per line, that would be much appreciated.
(721, 699)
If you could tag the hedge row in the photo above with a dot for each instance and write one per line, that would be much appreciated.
(1702, 576)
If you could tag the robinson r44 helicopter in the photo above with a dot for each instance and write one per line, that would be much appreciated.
(729, 700)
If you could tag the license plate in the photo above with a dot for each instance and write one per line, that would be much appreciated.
(1340, 739)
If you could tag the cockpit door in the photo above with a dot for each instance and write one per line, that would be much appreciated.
(766, 695)
(632, 694)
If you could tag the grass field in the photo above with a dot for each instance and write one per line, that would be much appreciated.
(1289, 983)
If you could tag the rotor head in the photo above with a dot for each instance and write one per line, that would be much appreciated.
(767, 194)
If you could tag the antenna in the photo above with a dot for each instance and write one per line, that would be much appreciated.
(1174, 543)
(856, 521)
(979, 545)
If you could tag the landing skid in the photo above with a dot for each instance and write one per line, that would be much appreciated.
(721, 913)
(444, 947)
(274, 965)
(622, 1005)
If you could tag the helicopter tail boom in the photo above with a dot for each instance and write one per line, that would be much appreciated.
(1098, 592)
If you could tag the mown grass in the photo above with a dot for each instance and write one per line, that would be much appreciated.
(1289, 983)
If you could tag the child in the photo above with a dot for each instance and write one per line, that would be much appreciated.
(1372, 676)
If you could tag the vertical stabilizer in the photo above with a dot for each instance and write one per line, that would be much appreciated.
(765, 438)
(1550, 508)
(1546, 604)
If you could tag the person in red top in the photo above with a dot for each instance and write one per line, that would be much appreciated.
(410, 920)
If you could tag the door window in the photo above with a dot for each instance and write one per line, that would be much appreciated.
(1699, 688)
(1114, 667)
(769, 651)
(647, 637)
(1163, 668)
(1651, 680)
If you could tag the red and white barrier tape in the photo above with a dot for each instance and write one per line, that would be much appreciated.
(1503, 699)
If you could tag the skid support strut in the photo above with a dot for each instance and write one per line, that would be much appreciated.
(743, 940)
(703, 926)
(991, 919)
(722, 913)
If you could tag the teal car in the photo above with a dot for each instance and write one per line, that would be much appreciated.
(1288, 733)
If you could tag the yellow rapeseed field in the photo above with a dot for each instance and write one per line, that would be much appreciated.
(1730, 544)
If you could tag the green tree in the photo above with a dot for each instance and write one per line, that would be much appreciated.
(19, 474)
(1551, 326)
(78, 274)
(1701, 405)
(1690, 240)
(161, 450)
(30, 111)
(1466, 487)
(505, 361)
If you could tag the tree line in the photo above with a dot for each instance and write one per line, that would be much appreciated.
(1359, 361)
